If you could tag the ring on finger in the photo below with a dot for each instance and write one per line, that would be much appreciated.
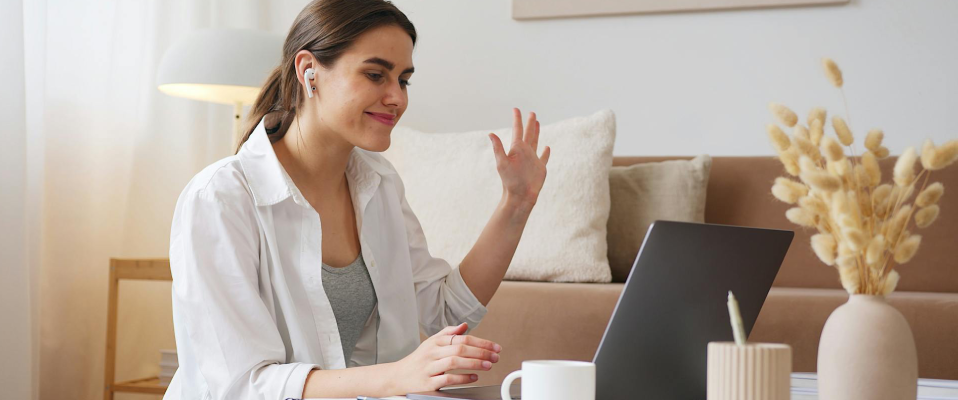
(451, 338)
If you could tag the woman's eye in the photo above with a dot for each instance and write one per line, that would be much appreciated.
(378, 77)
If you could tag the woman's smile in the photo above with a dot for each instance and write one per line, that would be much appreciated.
(387, 119)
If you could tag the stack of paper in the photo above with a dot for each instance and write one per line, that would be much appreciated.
(168, 365)
(805, 387)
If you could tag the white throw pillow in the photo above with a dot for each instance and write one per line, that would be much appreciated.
(453, 187)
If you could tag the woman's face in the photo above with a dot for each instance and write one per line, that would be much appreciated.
(363, 96)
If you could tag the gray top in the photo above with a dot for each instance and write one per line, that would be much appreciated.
(351, 294)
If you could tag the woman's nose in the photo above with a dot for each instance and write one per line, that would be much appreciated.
(395, 96)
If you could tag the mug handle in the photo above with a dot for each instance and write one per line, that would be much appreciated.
(507, 383)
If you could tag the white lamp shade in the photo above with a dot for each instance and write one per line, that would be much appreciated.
(227, 66)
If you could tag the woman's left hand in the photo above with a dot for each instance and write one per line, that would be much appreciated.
(521, 170)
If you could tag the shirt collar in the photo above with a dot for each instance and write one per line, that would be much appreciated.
(271, 184)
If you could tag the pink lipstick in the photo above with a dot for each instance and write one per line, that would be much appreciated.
(387, 119)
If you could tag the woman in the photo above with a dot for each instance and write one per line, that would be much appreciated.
(299, 256)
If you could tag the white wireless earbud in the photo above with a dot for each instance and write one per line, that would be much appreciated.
(309, 75)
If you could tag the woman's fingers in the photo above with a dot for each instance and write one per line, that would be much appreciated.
(545, 156)
(516, 126)
(476, 342)
(530, 128)
(450, 363)
(444, 380)
(467, 351)
(497, 148)
(535, 138)
(451, 330)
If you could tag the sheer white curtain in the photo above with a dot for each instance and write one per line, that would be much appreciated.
(93, 161)
(18, 226)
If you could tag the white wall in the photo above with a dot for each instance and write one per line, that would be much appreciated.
(17, 305)
(688, 83)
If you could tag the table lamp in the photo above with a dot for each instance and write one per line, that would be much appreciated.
(226, 66)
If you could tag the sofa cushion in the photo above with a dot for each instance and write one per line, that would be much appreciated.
(453, 187)
(642, 193)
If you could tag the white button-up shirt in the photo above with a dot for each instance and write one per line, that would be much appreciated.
(250, 314)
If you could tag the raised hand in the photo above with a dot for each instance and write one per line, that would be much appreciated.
(522, 171)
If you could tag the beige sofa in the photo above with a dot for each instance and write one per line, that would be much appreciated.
(537, 320)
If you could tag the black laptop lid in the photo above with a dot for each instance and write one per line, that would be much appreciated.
(674, 303)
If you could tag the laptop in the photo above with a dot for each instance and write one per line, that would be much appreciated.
(674, 303)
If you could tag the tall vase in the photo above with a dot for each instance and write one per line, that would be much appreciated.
(867, 351)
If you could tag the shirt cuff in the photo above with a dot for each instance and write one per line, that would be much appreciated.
(462, 301)
(296, 381)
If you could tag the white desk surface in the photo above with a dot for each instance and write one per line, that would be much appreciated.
(805, 387)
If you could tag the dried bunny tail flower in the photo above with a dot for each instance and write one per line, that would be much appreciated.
(852, 210)
(891, 281)
(945, 155)
(925, 216)
(821, 180)
(801, 131)
(873, 139)
(907, 249)
(818, 113)
(833, 151)
(875, 249)
(800, 217)
(840, 168)
(905, 167)
(783, 114)
(788, 190)
(898, 196)
(805, 163)
(881, 193)
(850, 278)
(930, 195)
(895, 227)
(841, 129)
(789, 159)
(832, 72)
(779, 139)
(839, 206)
(813, 205)
(806, 147)
(882, 153)
(861, 176)
(816, 131)
(869, 164)
(929, 154)
(824, 247)
(856, 239)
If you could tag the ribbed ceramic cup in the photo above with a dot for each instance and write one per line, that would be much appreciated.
(755, 371)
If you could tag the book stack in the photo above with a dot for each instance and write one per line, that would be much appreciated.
(805, 387)
(168, 365)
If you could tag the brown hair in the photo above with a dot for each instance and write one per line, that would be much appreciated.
(326, 28)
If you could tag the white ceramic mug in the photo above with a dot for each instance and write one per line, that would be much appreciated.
(553, 380)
